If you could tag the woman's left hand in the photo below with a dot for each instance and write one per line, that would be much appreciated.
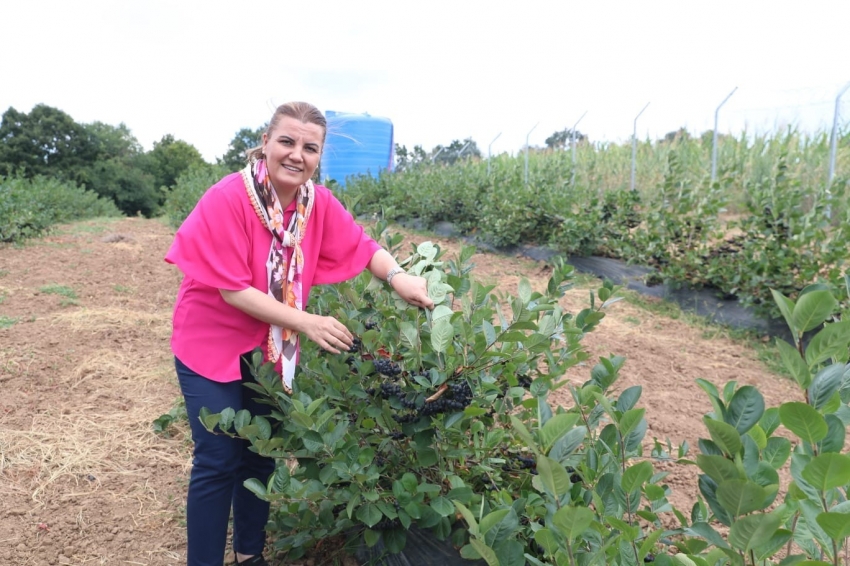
(413, 289)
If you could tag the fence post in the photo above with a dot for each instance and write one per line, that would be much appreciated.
(459, 153)
(434, 157)
(634, 147)
(488, 152)
(833, 138)
(526, 152)
(573, 149)
(714, 138)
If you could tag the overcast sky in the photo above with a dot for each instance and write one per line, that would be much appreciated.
(440, 70)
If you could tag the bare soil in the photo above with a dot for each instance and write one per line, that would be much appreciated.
(85, 368)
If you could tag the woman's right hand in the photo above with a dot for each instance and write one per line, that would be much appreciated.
(329, 333)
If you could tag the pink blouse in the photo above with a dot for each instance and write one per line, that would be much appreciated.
(222, 244)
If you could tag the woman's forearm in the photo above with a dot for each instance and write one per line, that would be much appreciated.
(263, 307)
(381, 263)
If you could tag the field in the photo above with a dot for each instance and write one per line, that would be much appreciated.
(85, 367)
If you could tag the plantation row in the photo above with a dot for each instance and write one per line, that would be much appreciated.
(767, 221)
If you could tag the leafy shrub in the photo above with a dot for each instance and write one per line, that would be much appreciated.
(32, 207)
(441, 420)
(188, 189)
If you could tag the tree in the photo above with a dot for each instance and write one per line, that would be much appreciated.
(47, 141)
(406, 159)
(244, 140)
(562, 139)
(112, 141)
(454, 151)
(169, 158)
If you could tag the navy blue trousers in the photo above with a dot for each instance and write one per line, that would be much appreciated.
(220, 466)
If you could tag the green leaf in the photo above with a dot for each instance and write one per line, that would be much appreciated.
(524, 290)
(573, 521)
(740, 497)
(555, 428)
(409, 336)
(812, 309)
(369, 514)
(630, 420)
(834, 439)
(725, 436)
(636, 475)
(825, 384)
(442, 506)
(500, 528)
(471, 523)
(554, 476)
(707, 532)
(546, 539)
(776, 452)
(441, 335)
(769, 422)
(786, 307)
(256, 487)
(744, 409)
(835, 525)
(794, 363)
(264, 428)
(427, 250)
(440, 312)
(753, 531)
(489, 332)
(523, 433)
(831, 342)
(803, 420)
(827, 471)
(567, 444)
(629, 397)
(718, 468)
(485, 551)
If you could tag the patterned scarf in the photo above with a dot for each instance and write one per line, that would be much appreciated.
(284, 274)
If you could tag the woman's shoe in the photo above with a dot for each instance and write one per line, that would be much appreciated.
(255, 561)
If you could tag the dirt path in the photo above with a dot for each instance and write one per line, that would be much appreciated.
(85, 368)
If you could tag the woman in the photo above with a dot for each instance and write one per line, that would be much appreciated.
(250, 251)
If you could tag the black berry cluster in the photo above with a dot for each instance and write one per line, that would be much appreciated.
(574, 476)
(370, 325)
(526, 463)
(397, 435)
(458, 398)
(386, 367)
(524, 381)
(356, 345)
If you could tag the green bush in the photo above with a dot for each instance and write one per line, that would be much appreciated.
(188, 189)
(441, 420)
(32, 207)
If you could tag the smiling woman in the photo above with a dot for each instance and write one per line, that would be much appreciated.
(250, 251)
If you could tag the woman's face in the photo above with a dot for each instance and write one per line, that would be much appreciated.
(293, 150)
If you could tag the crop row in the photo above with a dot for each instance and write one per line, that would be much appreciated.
(768, 220)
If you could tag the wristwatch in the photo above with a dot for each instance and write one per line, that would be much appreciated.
(393, 272)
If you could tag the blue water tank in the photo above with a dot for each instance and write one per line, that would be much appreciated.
(356, 144)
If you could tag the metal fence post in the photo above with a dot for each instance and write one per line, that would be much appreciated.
(833, 138)
(573, 148)
(526, 152)
(488, 152)
(434, 157)
(634, 147)
(714, 138)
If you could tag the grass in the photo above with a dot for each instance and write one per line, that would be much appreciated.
(121, 289)
(59, 290)
(7, 321)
